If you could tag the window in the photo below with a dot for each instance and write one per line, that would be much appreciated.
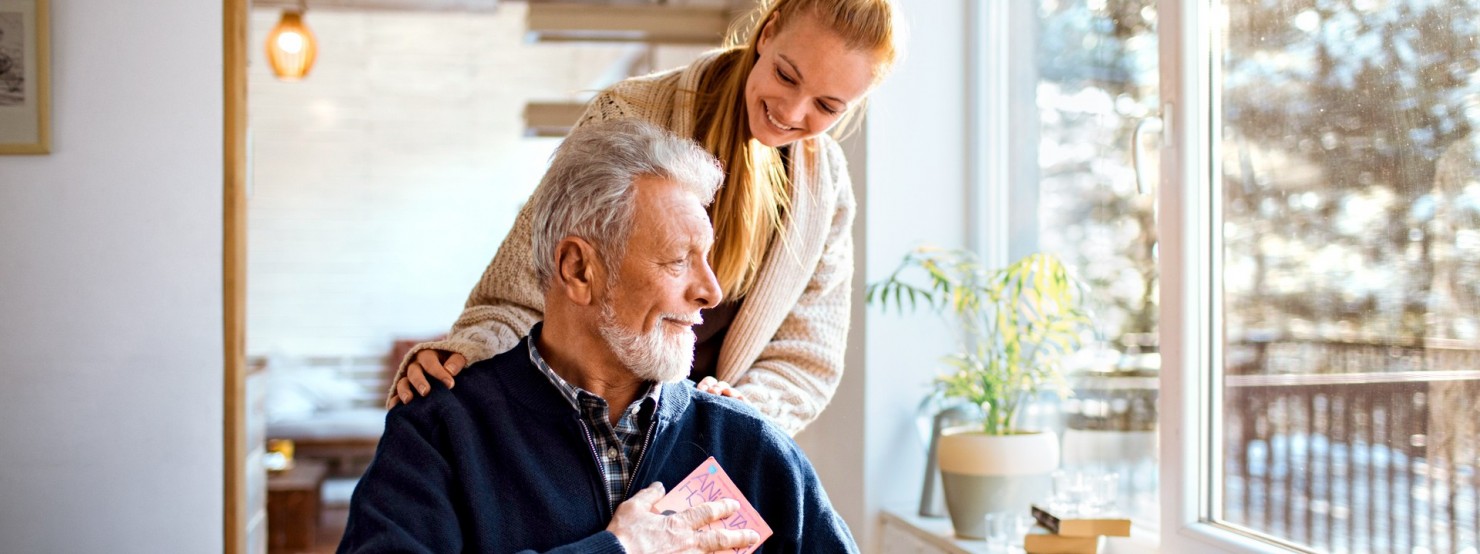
(1350, 267)
(1321, 226)
(1077, 118)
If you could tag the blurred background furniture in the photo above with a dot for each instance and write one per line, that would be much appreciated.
(293, 505)
(332, 407)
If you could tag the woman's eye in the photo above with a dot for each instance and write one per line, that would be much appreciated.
(784, 77)
(829, 110)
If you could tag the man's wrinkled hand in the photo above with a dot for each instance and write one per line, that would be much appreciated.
(643, 532)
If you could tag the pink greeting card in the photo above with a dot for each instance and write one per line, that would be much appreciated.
(709, 483)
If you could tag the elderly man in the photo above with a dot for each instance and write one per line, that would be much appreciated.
(544, 450)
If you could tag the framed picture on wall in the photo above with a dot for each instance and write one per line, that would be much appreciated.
(25, 91)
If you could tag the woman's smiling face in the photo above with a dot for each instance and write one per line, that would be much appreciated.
(804, 80)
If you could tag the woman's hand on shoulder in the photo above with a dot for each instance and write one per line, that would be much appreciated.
(440, 364)
(718, 387)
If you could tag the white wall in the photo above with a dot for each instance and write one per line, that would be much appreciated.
(110, 278)
(384, 182)
(909, 171)
(110, 290)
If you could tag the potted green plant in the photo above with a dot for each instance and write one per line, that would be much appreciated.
(1017, 323)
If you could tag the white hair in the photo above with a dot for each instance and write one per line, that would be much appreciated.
(588, 190)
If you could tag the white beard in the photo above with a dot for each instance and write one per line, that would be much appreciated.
(652, 356)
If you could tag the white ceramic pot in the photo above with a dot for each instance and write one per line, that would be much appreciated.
(984, 473)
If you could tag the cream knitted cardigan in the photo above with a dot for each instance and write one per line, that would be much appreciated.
(784, 349)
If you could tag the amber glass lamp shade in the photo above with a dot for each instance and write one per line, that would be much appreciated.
(291, 47)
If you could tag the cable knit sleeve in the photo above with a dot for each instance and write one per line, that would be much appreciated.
(507, 300)
(798, 370)
(607, 106)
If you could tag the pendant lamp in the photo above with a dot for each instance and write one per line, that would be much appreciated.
(291, 47)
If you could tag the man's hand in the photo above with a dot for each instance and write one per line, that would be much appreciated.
(643, 532)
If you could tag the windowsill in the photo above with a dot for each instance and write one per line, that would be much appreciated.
(937, 532)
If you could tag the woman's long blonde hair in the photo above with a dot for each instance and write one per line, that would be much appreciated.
(749, 210)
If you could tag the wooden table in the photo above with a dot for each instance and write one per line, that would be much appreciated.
(293, 505)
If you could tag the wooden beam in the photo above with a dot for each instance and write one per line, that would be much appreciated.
(385, 5)
(651, 23)
(234, 274)
(551, 119)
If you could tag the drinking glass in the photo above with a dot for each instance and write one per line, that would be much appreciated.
(1104, 491)
(1006, 529)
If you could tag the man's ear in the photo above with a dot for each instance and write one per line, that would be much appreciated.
(577, 269)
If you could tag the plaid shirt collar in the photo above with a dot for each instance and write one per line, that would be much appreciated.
(571, 392)
(617, 448)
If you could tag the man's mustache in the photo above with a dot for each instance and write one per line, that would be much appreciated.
(690, 320)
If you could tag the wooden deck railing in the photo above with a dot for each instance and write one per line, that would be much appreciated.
(1354, 447)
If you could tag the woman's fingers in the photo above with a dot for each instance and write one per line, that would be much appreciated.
(455, 364)
(430, 362)
(425, 362)
(721, 388)
(706, 385)
(432, 366)
(403, 391)
(418, 378)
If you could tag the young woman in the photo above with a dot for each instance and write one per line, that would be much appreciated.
(783, 218)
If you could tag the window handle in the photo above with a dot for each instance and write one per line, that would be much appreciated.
(1149, 124)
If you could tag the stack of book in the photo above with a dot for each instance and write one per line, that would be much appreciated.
(1072, 534)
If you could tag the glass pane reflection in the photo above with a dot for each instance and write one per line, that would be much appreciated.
(1351, 272)
(1097, 83)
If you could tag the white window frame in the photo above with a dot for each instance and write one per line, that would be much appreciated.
(1191, 288)
(1002, 145)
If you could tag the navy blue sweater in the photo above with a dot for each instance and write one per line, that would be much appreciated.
(501, 463)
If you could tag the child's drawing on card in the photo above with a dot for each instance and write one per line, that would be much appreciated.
(708, 483)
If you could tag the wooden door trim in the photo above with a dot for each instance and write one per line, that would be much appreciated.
(235, 15)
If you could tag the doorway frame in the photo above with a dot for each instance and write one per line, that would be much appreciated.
(235, 14)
